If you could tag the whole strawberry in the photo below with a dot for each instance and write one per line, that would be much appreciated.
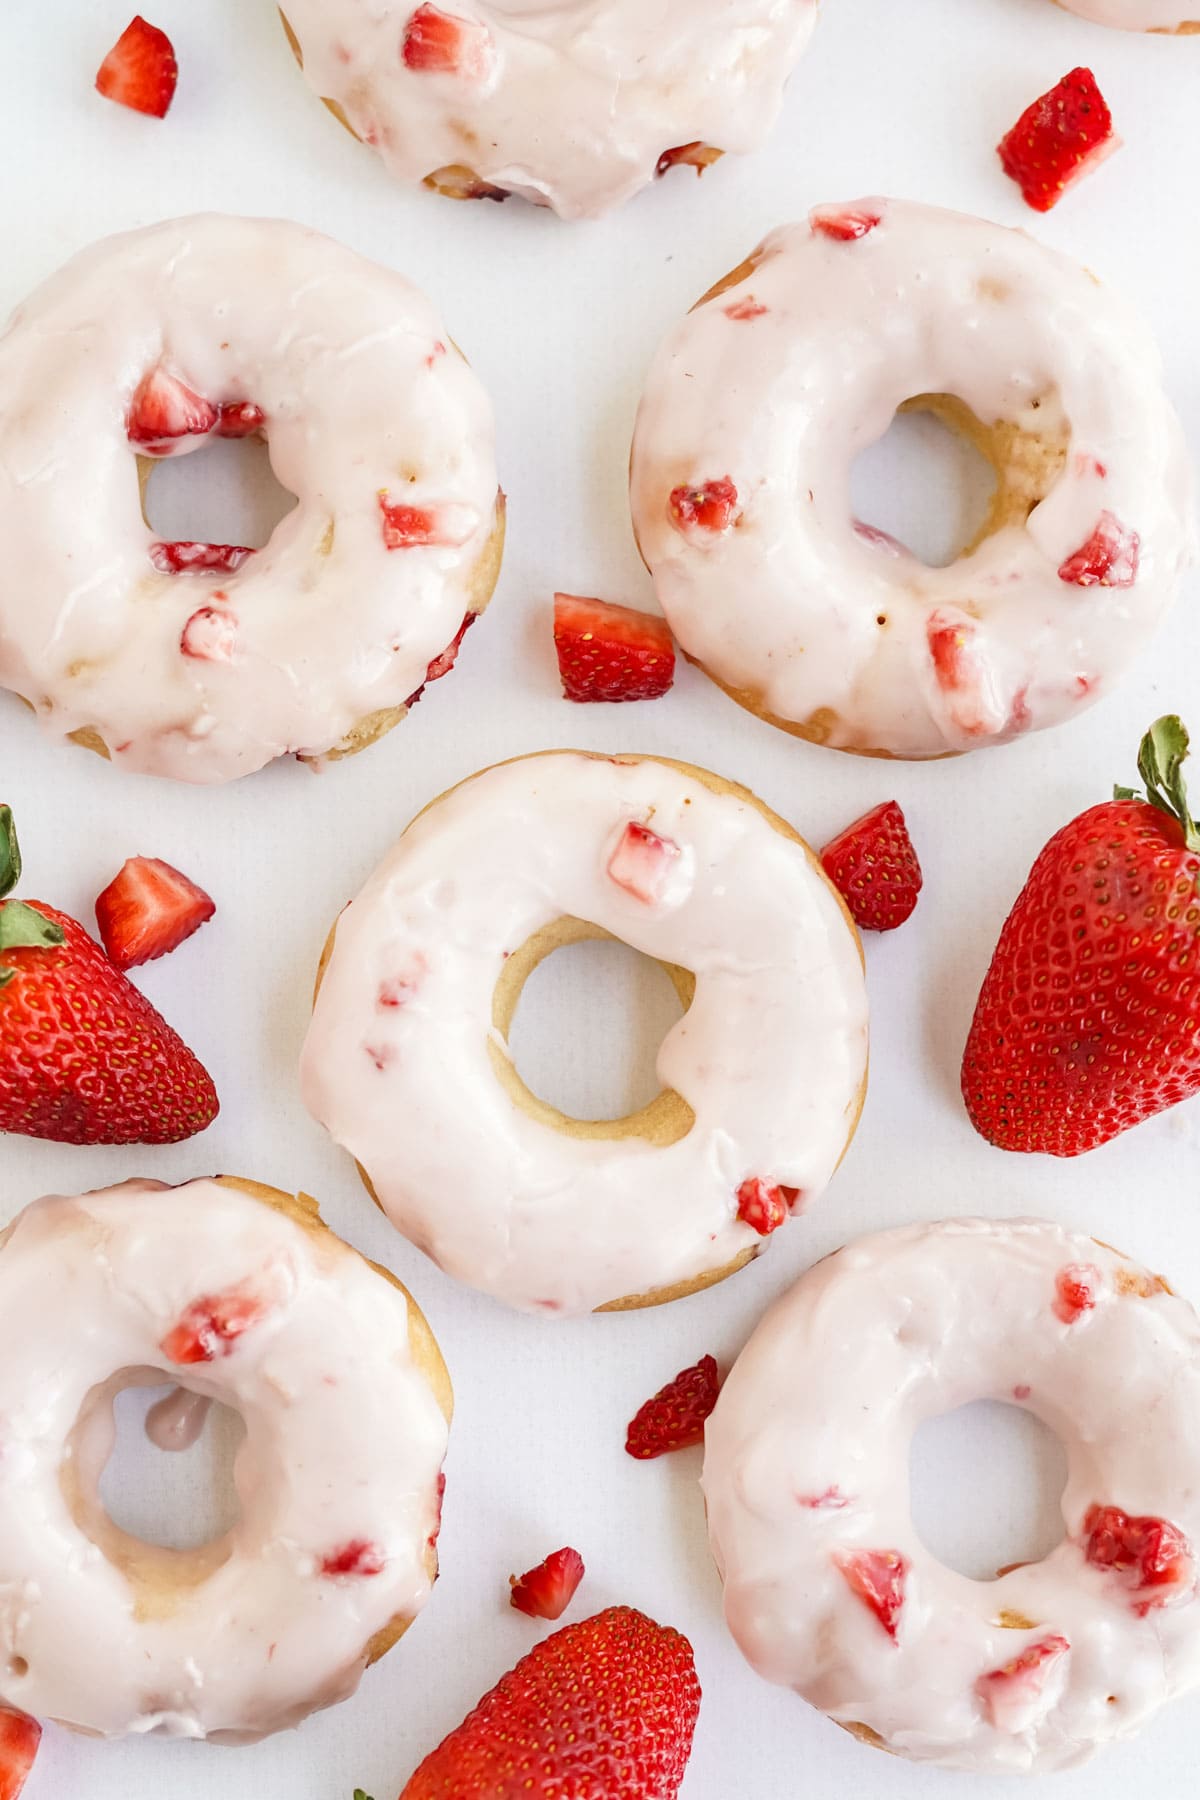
(1088, 1020)
(603, 1709)
(84, 1057)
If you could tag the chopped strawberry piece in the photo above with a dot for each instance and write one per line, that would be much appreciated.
(765, 1205)
(436, 1533)
(148, 910)
(140, 70)
(708, 508)
(547, 1591)
(211, 1326)
(1017, 1695)
(444, 661)
(182, 558)
(950, 638)
(831, 1499)
(875, 869)
(843, 223)
(410, 527)
(239, 419)
(749, 308)
(1149, 1552)
(643, 862)
(210, 635)
(19, 1739)
(880, 540)
(697, 155)
(609, 652)
(1075, 1289)
(165, 410)
(438, 43)
(877, 1577)
(1060, 138)
(358, 1557)
(674, 1418)
(1109, 558)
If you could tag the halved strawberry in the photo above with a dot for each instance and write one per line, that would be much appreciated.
(875, 869)
(140, 70)
(1109, 558)
(1076, 1286)
(1065, 133)
(642, 862)
(1152, 1555)
(709, 508)
(765, 1205)
(674, 1418)
(844, 223)
(1015, 1696)
(183, 557)
(358, 1557)
(547, 1591)
(164, 411)
(147, 910)
(877, 1577)
(439, 43)
(696, 155)
(610, 652)
(211, 1325)
(19, 1739)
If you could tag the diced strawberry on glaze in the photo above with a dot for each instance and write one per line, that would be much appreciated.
(765, 1205)
(358, 1557)
(1064, 134)
(696, 155)
(608, 652)
(673, 1419)
(440, 43)
(710, 507)
(164, 411)
(877, 1577)
(1076, 1287)
(211, 1326)
(442, 664)
(843, 223)
(20, 1737)
(411, 527)
(140, 70)
(239, 419)
(436, 1533)
(547, 1591)
(148, 910)
(1023, 1691)
(184, 557)
(210, 635)
(642, 862)
(1109, 558)
(831, 1499)
(1150, 1553)
(749, 308)
(956, 669)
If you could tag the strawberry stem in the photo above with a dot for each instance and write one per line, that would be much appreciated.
(1161, 756)
(10, 852)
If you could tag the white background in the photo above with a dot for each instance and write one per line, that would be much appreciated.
(560, 323)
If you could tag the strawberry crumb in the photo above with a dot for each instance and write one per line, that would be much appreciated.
(749, 308)
(358, 1557)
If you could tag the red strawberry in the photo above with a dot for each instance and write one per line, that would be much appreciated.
(19, 1739)
(765, 1204)
(749, 308)
(642, 863)
(606, 1707)
(1109, 558)
(547, 1591)
(709, 508)
(1058, 139)
(1087, 1022)
(444, 661)
(147, 910)
(674, 1418)
(843, 223)
(211, 1325)
(84, 1058)
(140, 70)
(1149, 1553)
(874, 867)
(239, 418)
(165, 410)
(210, 635)
(438, 43)
(1075, 1289)
(877, 1578)
(1015, 1696)
(409, 527)
(358, 1557)
(608, 652)
(696, 156)
(182, 557)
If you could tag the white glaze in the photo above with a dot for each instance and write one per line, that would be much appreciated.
(361, 392)
(770, 1056)
(1138, 15)
(344, 1441)
(573, 104)
(896, 1329)
(786, 603)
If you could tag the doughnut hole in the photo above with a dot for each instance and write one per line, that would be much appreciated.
(986, 1483)
(178, 1499)
(225, 492)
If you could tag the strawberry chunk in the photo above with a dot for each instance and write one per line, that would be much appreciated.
(148, 910)
(358, 1557)
(609, 652)
(210, 635)
(877, 1577)
(674, 1418)
(547, 1591)
(410, 527)
(830, 1499)
(1075, 1289)
(1149, 1553)
(164, 411)
(19, 1739)
(843, 223)
(1109, 558)
(765, 1205)
(1065, 134)
(696, 155)
(140, 70)
(439, 43)
(875, 869)
(444, 661)
(643, 863)
(211, 1326)
(239, 419)
(1023, 1691)
(956, 668)
(749, 308)
(182, 558)
(708, 508)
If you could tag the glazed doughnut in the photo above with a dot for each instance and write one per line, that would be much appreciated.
(242, 1295)
(406, 1063)
(575, 107)
(204, 662)
(1171, 17)
(757, 405)
(827, 1587)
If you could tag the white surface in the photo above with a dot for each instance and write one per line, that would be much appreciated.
(561, 321)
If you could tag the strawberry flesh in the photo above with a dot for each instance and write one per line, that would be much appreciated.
(20, 1737)
(210, 635)
(211, 1326)
(140, 70)
(438, 43)
(1015, 1696)
(358, 1557)
(708, 508)
(642, 862)
(147, 911)
(184, 557)
(165, 411)
(749, 308)
(843, 223)
(1109, 558)
(1064, 134)
(874, 867)
(674, 1418)
(765, 1205)
(1075, 1289)
(444, 661)
(877, 1578)
(1150, 1554)
(609, 652)
(696, 155)
(239, 419)
(547, 1591)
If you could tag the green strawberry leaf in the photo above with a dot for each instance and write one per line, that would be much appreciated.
(359, 1795)
(1161, 756)
(21, 928)
(10, 852)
